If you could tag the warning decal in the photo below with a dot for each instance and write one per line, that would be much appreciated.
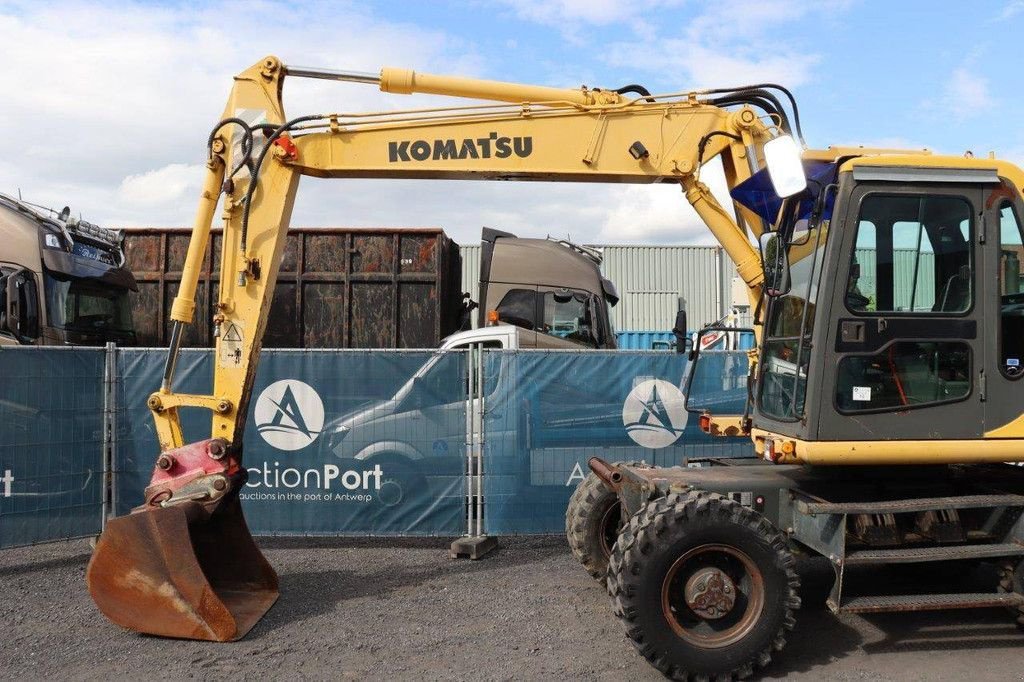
(230, 347)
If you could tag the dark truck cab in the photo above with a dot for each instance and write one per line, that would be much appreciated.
(63, 281)
(547, 288)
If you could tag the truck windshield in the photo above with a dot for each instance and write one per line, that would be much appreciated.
(81, 305)
(786, 357)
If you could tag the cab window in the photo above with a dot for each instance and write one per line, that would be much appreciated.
(905, 375)
(1011, 292)
(519, 307)
(912, 255)
(491, 364)
(569, 315)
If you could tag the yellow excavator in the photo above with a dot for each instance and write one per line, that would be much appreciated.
(889, 320)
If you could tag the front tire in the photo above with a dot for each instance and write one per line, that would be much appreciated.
(593, 520)
(592, 523)
(705, 587)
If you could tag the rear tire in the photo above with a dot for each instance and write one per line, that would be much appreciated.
(592, 523)
(705, 587)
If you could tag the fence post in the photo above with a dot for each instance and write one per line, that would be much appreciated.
(109, 433)
(474, 544)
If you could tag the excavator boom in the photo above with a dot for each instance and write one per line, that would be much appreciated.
(183, 564)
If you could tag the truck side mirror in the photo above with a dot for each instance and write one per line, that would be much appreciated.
(775, 263)
(22, 306)
(679, 331)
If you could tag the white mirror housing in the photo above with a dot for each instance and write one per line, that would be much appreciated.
(785, 168)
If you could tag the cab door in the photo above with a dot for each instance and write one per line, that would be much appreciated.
(1004, 407)
(906, 342)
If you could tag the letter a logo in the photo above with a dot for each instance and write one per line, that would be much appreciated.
(289, 414)
(654, 414)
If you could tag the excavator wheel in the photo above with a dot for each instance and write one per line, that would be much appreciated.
(592, 522)
(705, 587)
(182, 571)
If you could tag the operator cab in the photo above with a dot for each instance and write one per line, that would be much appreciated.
(895, 307)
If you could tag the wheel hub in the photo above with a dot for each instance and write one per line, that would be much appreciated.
(710, 593)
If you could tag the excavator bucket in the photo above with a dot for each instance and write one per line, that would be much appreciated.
(188, 570)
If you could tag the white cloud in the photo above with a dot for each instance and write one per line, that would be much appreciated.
(567, 15)
(177, 182)
(114, 102)
(967, 93)
(119, 96)
(1011, 9)
(728, 43)
(660, 213)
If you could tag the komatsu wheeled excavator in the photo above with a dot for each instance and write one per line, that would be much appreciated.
(884, 400)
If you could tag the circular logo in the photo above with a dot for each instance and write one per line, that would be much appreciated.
(654, 414)
(289, 414)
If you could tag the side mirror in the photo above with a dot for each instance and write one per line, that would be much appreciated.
(785, 167)
(679, 331)
(775, 263)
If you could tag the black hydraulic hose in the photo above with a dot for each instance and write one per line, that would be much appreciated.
(636, 89)
(792, 104)
(768, 86)
(254, 175)
(702, 145)
(247, 142)
(759, 98)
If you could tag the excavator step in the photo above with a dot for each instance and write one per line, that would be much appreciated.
(919, 504)
(941, 553)
(931, 602)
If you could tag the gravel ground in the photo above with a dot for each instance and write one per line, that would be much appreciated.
(385, 609)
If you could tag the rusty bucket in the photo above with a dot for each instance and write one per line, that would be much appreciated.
(189, 570)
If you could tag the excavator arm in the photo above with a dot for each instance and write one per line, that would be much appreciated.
(255, 158)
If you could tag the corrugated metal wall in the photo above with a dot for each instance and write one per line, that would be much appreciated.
(654, 280)
(651, 281)
(903, 271)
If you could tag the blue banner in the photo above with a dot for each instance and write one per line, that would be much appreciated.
(374, 442)
(547, 413)
(51, 444)
(337, 442)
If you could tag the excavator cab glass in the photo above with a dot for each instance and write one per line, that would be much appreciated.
(775, 261)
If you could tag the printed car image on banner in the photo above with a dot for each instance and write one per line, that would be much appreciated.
(374, 442)
(337, 442)
(548, 413)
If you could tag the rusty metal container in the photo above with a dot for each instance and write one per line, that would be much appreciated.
(338, 288)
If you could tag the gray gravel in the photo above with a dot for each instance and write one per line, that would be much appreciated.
(400, 609)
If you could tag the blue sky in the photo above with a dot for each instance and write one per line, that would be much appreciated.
(114, 99)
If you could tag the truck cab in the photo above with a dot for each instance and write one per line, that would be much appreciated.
(552, 290)
(63, 281)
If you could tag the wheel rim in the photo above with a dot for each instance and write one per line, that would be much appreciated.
(390, 493)
(611, 522)
(713, 595)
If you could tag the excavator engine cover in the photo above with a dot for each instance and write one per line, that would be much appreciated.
(184, 563)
